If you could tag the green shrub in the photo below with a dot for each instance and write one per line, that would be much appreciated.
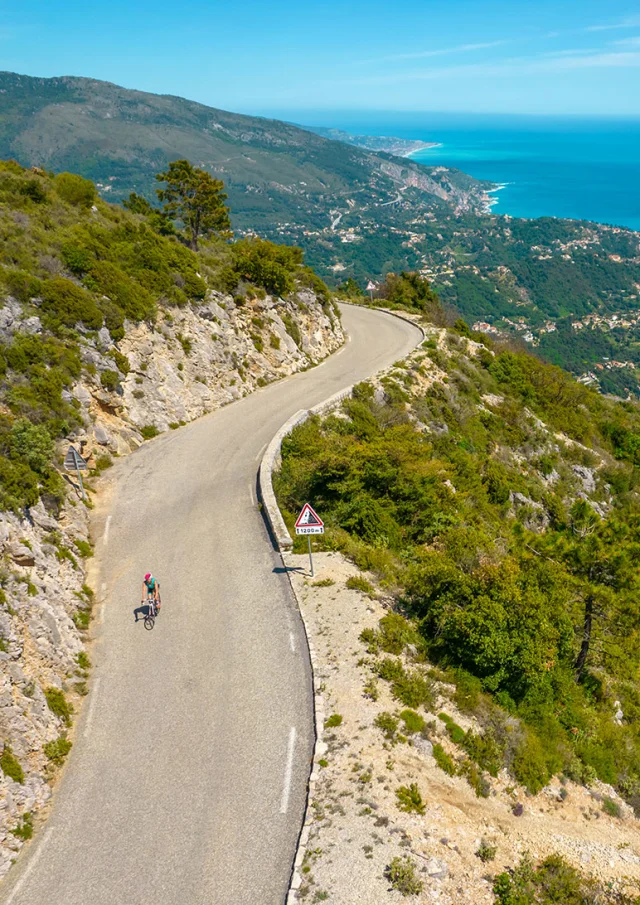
(79, 260)
(410, 799)
(122, 290)
(110, 380)
(10, 765)
(274, 341)
(34, 190)
(83, 660)
(456, 733)
(553, 882)
(413, 690)
(486, 852)
(359, 583)
(103, 462)
(530, 765)
(122, 362)
(68, 304)
(388, 725)
(24, 829)
(443, 760)
(194, 286)
(32, 444)
(413, 721)
(75, 190)
(57, 750)
(474, 777)
(334, 720)
(395, 633)
(84, 548)
(402, 876)
(58, 704)
(609, 806)
(81, 619)
(265, 264)
(292, 329)
(21, 285)
(149, 431)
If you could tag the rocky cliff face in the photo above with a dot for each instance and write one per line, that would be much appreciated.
(192, 360)
(45, 605)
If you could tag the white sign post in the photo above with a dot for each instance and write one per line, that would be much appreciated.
(73, 461)
(309, 522)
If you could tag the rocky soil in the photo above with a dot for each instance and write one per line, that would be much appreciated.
(190, 362)
(356, 825)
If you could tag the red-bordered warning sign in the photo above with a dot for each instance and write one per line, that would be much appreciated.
(309, 522)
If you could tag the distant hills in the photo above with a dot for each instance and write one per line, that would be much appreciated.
(569, 289)
(274, 172)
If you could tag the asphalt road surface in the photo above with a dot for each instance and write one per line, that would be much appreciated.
(187, 781)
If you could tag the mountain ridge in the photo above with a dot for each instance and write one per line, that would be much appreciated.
(121, 137)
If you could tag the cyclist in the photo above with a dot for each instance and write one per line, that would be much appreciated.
(151, 586)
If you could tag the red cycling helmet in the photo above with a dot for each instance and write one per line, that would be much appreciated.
(147, 576)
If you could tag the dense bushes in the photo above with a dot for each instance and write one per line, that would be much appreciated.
(551, 882)
(530, 608)
(413, 292)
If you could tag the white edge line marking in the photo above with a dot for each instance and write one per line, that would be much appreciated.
(92, 707)
(104, 603)
(30, 866)
(252, 495)
(105, 536)
(262, 449)
(288, 772)
(103, 587)
(292, 642)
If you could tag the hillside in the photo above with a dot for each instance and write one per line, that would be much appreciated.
(568, 288)
(274, 172)
(492, 650)
(109, 334)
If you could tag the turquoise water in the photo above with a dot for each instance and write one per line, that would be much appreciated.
(563, 167)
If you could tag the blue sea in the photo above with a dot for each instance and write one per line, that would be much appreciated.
(549, 166)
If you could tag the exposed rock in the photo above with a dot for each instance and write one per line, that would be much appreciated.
(189, 363)
(586, 476)
(535, 517)
(437, 869)
(21, 554)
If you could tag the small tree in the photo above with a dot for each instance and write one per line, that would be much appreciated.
(196, 199)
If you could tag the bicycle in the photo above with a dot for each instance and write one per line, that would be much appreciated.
(152, 613)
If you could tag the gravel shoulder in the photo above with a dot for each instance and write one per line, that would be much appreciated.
(356, 828)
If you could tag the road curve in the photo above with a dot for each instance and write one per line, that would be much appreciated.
(187, 781)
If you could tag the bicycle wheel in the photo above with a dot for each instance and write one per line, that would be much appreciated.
(149, 622)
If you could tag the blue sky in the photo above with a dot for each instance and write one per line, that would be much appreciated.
(274, 56)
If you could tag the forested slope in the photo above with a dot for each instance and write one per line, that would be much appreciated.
(498, 501)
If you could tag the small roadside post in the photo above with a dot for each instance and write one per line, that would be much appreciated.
(73, 461)
(309, 522)
(370, 287)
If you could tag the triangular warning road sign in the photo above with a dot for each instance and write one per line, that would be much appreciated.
(73, 460)
(309, 522)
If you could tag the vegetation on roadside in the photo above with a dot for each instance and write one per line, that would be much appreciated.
(76, 265)
(497, 498)
(550, 882)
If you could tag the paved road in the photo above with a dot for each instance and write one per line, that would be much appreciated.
(177, 790)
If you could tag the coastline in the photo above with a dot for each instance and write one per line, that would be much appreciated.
(426, 146)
